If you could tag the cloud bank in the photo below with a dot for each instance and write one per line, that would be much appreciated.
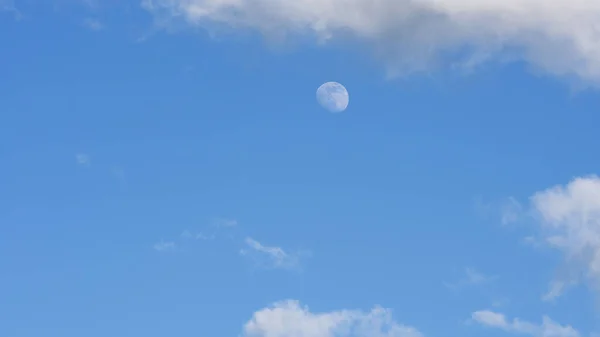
(289, 318)
(560, 37)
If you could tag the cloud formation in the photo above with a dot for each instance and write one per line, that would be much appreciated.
(559, 37)
(270, 256)
(569, 217)
(263, 256)
(289, 318)
(548, 328)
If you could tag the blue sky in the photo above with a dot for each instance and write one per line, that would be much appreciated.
(166, 169)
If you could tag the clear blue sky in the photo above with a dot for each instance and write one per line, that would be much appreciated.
(160, 178)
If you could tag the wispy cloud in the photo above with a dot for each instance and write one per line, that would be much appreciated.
(189, 235)
(9, 6)
(511, 211)
(119, 173)
(500, 302)
(91, 4)
(270, 256)
(471, 277)
(165, 246)
(93, 24)
(83, 160)
(224, 223)
(508, 211)
(263, 256)
(547, 328)
(474, 277)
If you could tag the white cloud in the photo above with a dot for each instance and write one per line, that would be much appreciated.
(489, 318)
(560, 37)
(83, 160)
(290, 319)
(270, 256)
(548, 328)
(569, 217)
(165, 246)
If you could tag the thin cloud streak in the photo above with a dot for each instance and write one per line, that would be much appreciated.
(548, 327)
(270, 256)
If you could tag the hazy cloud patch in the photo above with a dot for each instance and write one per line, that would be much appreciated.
(165, 246)
(83, 160)
(93, 24)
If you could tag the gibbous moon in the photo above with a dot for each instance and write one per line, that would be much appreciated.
(333, 97)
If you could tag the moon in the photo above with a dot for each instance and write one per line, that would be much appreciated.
(333, 97)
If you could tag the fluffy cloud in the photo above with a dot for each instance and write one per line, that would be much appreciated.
(548, 328)
(569, 217)
(290, 319)
(560, 37)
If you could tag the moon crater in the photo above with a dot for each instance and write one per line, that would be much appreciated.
(333, 97)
